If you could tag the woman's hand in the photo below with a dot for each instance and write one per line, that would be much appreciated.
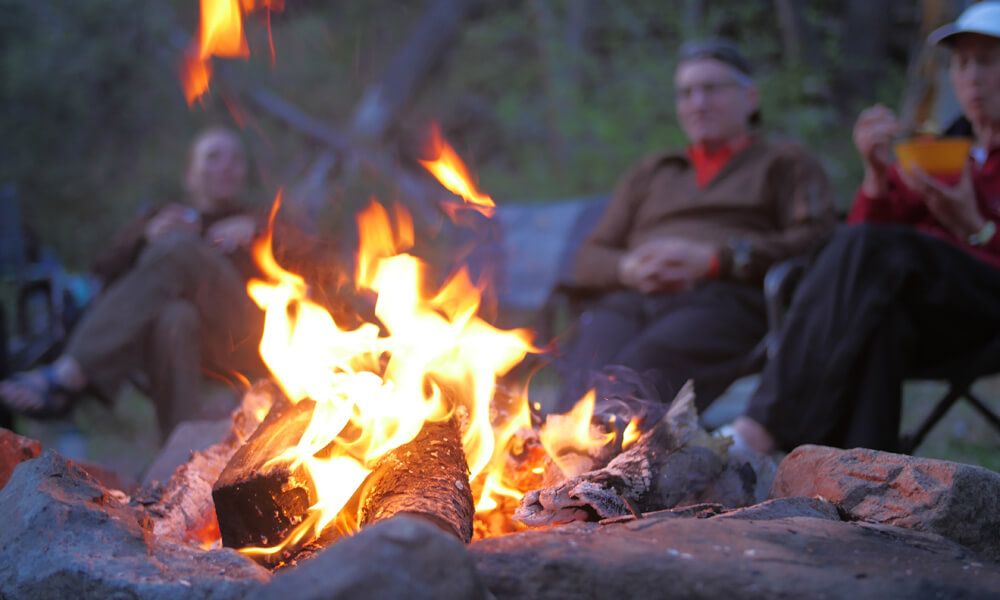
(872, 137)
(232, 233)
(173, 218)
(955, 207)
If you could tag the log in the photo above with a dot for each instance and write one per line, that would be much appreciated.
(429, 477)
(259, 504)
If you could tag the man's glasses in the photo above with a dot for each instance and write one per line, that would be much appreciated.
(708, 89)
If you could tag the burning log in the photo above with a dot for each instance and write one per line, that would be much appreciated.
(258, 500)
(428, 477)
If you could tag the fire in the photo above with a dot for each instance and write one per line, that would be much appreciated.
(449, 169)
(567, 436)
(220, 34)
(631, 434)
(433, 359)
(430, 358)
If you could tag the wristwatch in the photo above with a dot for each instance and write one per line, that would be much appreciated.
(984, 235)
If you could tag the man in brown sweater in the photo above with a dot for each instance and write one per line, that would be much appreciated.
(680, 253)
(174, 300)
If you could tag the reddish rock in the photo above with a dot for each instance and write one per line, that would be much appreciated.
(957, 501)
(14, 450)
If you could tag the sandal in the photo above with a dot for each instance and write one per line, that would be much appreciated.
(51, 399)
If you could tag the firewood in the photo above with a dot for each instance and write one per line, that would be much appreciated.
(428, 476)
(258, 502)
(182, 509)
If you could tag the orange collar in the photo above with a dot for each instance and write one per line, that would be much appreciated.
(707, 164)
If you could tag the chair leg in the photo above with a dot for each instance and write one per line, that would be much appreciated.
(984, 410)
(908, 442)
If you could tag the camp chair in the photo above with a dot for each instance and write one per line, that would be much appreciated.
(779, 287)
(46, 301)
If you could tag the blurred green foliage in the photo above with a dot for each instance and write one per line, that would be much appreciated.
(94, 123)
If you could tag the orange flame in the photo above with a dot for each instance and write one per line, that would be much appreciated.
(631, 433)
(220, 34)
(572, 433)
(449, 169)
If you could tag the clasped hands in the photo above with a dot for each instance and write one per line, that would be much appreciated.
(666, 265)
(226, 234)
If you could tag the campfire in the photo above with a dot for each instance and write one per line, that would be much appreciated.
(402, 413)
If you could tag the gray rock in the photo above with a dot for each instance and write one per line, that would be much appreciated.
(66, 536)
(402, 557)
(960, 502)
(733, 556)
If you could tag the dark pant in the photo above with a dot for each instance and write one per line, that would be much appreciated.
(699, 334)
(182, 307)
(878, 303)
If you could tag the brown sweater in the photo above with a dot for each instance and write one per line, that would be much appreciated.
(771, 201)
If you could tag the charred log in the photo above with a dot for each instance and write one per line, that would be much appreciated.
(259, 500)
(429, 477)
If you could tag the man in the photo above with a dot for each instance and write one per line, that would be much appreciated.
(682, 248)
(174, 300)
(914, 283)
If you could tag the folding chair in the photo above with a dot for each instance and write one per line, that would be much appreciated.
(779, 288)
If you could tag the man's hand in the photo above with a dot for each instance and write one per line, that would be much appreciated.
(954, 207)
(173, 218)
(872, 137)
(666, 265)
(231, 233)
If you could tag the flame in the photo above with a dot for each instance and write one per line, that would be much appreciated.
(565, 435)
(631, 434)
(375, 387)
(220, 33)
(449, 169)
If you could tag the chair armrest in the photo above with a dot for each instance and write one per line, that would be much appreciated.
(779, 287)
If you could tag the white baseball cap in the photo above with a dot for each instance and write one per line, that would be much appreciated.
(982, 18)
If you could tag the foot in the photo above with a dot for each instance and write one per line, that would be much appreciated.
(44, 392)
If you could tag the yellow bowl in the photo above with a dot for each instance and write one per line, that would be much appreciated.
(935, 156)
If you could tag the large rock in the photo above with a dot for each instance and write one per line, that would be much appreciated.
(14, 450)
(66, 536)
(401, 557)
(960, 502)
(767, 551)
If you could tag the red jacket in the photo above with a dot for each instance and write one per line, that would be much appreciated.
(902, 206)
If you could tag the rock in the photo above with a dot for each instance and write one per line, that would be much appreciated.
(957, 501)
(782, 508)
(14, 450)
(401, 557)
(733, 555)
(66, 536)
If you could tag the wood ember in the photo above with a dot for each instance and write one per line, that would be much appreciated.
(672, 462)
(428, 476)
(259, 502)
(183, 509)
